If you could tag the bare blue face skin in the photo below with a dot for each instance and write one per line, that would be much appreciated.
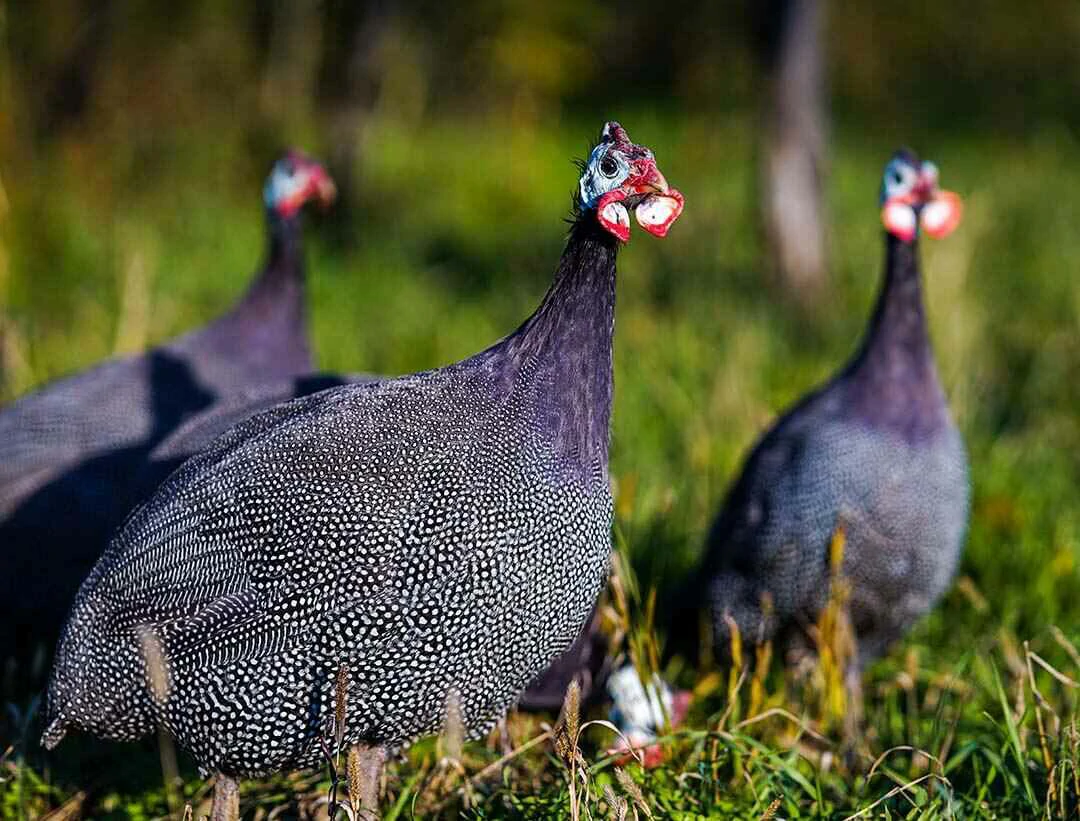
(605, 171)
(284, 183)
(899, 179)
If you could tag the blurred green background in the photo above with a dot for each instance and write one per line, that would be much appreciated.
(134, 137)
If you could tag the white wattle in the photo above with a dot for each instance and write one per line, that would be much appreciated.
(614, 213)
(654, 211)
(936, 216)
(899, 219)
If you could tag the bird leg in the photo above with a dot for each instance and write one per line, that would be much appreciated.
(506, 743)
(365, 766)
(226, 806)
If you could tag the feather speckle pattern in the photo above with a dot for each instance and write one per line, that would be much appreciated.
(874, 451)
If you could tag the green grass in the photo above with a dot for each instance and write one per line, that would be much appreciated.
(456, 233)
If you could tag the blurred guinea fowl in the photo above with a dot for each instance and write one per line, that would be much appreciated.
(874, 450)
(440, 537)
(70, 453)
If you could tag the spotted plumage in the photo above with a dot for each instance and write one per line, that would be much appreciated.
(73, 454)
(443, 536)
(875, 451)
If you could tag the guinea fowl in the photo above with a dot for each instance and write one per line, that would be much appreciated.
(70, 452)
(873, 451)
(439, 537)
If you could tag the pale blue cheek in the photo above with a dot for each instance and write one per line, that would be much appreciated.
(594, 186)
(589, 192)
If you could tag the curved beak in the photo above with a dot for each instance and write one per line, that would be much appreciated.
(325, 191)
(645, 178)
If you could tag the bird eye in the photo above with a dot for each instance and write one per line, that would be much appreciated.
(898, 177)
(608, 167)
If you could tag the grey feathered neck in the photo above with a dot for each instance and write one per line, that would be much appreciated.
(565, 349)
(268, 325)
(893, 381)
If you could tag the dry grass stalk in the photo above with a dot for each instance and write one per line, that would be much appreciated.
(70, 810)
(1065, 644)
(1054, 795)
(617, 806)
(341, 706)
(157, 669)
(762, 660)
(571, 712)
(354, 776)
(630, 787)
(158, 681)
(565, 737)
(736, 673)
(835, 637)
(771, 810)
(136, 311)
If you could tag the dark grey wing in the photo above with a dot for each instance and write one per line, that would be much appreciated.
(203, 428)
(198, 432)
(298, 511)
(67, 421)
(125, 405)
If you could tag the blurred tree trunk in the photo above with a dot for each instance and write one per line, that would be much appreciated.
(289, 35)
(348, 90)
(792, 151)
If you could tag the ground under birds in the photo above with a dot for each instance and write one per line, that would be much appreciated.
(874, 451)
(439, 537)
(72, 454)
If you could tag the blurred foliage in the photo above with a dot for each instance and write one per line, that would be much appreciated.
(133, 140)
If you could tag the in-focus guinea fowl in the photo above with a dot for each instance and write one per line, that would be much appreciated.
(441, 536)
(71, 454)
(874, 450)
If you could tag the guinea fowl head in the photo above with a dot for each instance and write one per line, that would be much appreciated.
(294, 180)
(910, 198)
(619, 175)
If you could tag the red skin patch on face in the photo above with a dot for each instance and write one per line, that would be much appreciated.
(318, 187)
(938, 212)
